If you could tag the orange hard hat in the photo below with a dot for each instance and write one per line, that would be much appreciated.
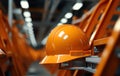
(65, 42)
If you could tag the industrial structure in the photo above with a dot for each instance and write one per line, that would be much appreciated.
(60, 38)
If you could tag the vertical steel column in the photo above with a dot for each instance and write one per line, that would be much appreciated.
(10, 12)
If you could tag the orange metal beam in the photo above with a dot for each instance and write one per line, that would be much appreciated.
(109, 57)
(108, 14)
(100, 41)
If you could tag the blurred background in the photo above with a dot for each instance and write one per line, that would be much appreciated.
(35, 19)
(40, 16)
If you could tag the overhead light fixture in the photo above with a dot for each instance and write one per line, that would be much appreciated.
(26, 14)
(77, 6)
(59, 24)
(32, 37)
(33, 41)
(24, 4)
(30, 30)
(29, 24)
(63, 20)
(28, 19)
(68, 15)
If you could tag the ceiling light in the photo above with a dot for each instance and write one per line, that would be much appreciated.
(68, 15)
(24, 4)
(32, 38)
(28, 19)
(63, 20)
(26, 14)
(77, 6)
(59, 24)
(29, 24)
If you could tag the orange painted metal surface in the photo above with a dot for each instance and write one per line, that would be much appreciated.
(104, 22)
(16, 49)
(93, 20)
(4, 41)
(101, 41)
(109, 60)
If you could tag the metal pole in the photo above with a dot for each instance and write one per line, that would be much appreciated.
(10, 12)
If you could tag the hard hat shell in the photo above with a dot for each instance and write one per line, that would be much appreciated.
(62, 41)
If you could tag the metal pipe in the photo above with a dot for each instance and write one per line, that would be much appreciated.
(10, 12)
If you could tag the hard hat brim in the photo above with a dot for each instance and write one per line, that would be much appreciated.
(56, 59)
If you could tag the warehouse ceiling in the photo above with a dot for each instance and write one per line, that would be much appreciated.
(46, 14)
